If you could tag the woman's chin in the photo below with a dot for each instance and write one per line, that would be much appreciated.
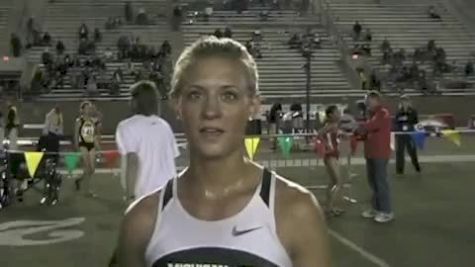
(212, 151)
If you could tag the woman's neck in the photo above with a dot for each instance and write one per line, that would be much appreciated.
(219, 174)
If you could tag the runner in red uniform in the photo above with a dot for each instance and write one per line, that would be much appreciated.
(330, 136)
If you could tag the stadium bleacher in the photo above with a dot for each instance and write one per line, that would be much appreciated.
(64, 18)
(281, 68)
(406, 25)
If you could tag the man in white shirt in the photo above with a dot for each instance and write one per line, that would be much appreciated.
(147, 144)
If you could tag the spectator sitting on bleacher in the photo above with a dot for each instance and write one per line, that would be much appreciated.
(128, 12)
(264, 15)
(295, 41)
(46, 57)
(110, 24)
(433, 13)
(257, 36)
(86, 47)
(60, 47)
(208, 12)
(218, 33)
(375, 81)
(118, 75)
(83, 32)
(177, 13)
(46, 39)
(108, 55)
(357, 28)
(440, 55)
(418, 55)
(16, 46)
(253, 49)
(68, 61)
(166, 48)
(385, 46)
(117, 22)
(311, 39)
(142, 18)
(227, 32)
(82, 48)
(399, 57)
(368, 35)
(469, 68)
(76, 61)
(414, 70)
(97, 35)
(124, 45)
(387, 56)
(177, 17)
(366, 49)
(431, 46)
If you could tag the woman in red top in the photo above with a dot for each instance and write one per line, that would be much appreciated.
(330, 137)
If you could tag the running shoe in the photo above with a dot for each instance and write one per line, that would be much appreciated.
(369, 214)
(383, 217)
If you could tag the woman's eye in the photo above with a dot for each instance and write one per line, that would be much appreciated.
(194, 95)
(229, 96)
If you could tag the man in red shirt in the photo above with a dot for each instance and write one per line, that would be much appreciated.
(377, 132)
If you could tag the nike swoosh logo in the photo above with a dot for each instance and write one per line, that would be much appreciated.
(237, 232)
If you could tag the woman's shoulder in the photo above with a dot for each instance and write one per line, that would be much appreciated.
(295, 202)
(141, 216)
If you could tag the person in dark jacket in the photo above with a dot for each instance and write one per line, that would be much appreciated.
(60, 47)
(406, 119)
(377, 133)
(83, 32)
(16, 45)
(128, 12)
(228, 33)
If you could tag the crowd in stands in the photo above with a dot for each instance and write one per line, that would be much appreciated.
(404, 69)
(411, 74)
(254, 44)
(305, 42)
(362, 41)
(86, 68)
(89, 71)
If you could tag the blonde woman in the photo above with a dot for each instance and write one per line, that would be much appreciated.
(86, 141)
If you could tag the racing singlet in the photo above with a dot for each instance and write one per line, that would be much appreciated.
(248, 238)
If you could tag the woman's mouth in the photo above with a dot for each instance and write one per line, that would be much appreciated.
(211, 132)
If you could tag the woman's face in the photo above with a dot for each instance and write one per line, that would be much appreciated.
(87, 109)
(215, 104)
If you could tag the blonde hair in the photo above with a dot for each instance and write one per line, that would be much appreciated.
(83, 105)
(211, 46)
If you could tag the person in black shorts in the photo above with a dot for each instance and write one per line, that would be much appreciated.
(86, 141)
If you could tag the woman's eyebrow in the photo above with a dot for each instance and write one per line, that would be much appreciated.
(195, 86)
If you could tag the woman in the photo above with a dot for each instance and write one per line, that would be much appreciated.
(330, 136)
(86, 141)
(224, 210)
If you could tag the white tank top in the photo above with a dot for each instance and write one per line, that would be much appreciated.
(247, 239)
